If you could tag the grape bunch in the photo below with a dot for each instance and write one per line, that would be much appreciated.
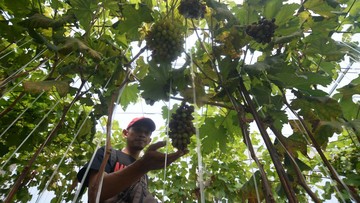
(165, 39)
(181, 126)
(262, 31)
(192, 9)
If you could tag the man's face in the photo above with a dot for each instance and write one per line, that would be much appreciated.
(137, 137)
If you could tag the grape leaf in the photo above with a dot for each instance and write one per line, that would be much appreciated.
(271, 8)
(345, 97)
(129, 95)
(213, 135)
(132, 22)
(83, 10)
(73, 45)
(323, 107)
(302, 166)
(318, 44)
(156, 85)
(285, 13)
(250, 190)
(320, 7)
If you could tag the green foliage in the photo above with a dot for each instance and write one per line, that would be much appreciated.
(214, 136)
(61, 63)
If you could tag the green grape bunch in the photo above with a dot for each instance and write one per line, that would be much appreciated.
(165, 39)
(262, 31)
(181, 126)
(192, 9)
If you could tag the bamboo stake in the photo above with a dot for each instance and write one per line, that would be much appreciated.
(96, 190)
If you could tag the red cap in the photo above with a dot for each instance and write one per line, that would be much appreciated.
(142, 121)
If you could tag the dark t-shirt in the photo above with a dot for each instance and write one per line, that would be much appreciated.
(138, 192)
(123, 158)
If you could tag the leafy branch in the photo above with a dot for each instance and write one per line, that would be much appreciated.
(332, 171)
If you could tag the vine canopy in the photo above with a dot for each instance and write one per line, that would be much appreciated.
(273, 84)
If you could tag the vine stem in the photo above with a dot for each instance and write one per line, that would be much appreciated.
(333, 173)
(10, 107)
(267, 188)
(51, 135)
(203, 46)
(265, 182)
(136, 56)
(299, 175)
(243, 125)
(95, 189)
(289, 191)
(202, 71)
(208, 102)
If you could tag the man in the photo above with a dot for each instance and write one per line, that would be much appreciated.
(125, 180)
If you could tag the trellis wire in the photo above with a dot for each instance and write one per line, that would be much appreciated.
(62, 158)
(252, 171)
(108, 131)
(167, 142)
(249, 156)
(9, 126)
(27, 137)
(357, 51)
(12, 88)
(3, 56)
(198, 143)
(340, 78)
(92, 158)
(112, 118)
(76, 196)
(23, 67)
(24, 111)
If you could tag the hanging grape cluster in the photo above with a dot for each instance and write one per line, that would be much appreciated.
(166, 40)
(181, 126)
(192, 9)
(262, 31)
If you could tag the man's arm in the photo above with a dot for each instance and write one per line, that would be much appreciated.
(116, 182)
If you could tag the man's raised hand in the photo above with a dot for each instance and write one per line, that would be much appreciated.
(154, 160)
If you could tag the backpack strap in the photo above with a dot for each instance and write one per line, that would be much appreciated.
(113, 158)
